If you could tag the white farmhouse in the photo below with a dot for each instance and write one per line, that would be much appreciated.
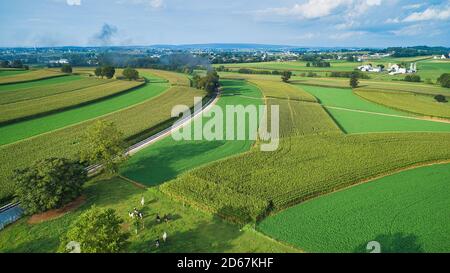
(396, 69)
(370, 68)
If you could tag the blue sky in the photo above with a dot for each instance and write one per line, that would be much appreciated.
(375, 23)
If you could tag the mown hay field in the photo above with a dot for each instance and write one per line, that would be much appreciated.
(404, 212)
(30, 76)
(41, 106)
(246, 188)
(409, 102)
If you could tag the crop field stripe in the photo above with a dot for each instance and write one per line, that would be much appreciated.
(30, 77)
(34, 93)
(30, 128)
(395, 210)
(39, 107)
(382, 114)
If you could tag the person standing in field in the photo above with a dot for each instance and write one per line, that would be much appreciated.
(142, 201)
(164, 237)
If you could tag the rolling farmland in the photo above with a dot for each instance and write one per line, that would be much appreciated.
(44, 105)
(241, 188)
(395, 211)
(190, 230)
(356, 115)
(136, 121)
(32, 90)
(168, 158)
(30, 76)
(15, 132)
(409, 102)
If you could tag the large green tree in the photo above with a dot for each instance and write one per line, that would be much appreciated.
(130, 73)
(66, 68)
(108, 71)
(210, 82)
(95, 231)
(286, 75)
(354, 81)
(99, 72)
(103, 144)
(48, 184)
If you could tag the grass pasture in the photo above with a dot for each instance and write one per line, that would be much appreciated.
(242, 188)
(404, 212)
(409, 102)
(189, 231)
(168, 158)
(29, 76)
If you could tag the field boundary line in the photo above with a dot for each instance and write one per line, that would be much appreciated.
(382, 114)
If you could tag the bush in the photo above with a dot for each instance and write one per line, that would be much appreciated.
(444, 80)
(440, 98)
(96, 231)
(66, 68)
(48, 184)
(412, 78)
(130, 74)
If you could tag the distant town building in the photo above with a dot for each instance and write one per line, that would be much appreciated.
(60, 61)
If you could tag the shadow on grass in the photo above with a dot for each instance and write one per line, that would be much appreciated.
(154, 168)
(394, 243)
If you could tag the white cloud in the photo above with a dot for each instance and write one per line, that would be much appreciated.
(156, 3)
(150, 3)
(73, 2)
(312, 9)
(432, 13)
(347, 35)
(413, 6)
(392, 21)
